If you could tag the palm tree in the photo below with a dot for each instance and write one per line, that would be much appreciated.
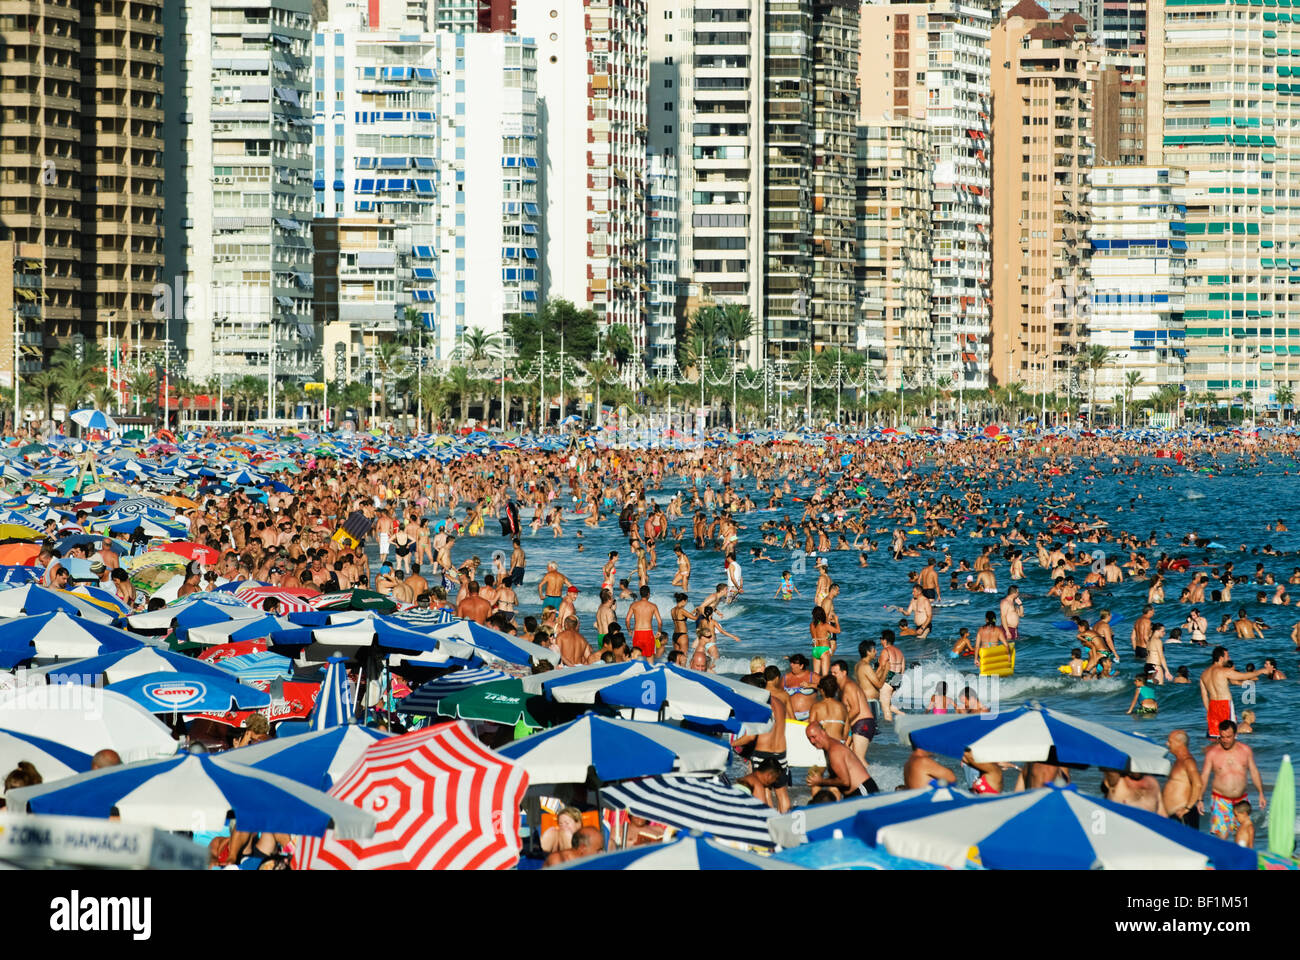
(461, 383)
(1132, 380)
(599, 370)
(1285, 397)
(144, 386)
(290, 395)
(46, 381)
(480, 346)
(738, 326)
(1093, 359)
(104, 398)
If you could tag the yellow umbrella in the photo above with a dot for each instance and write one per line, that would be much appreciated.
(157, 558)
(16, 531)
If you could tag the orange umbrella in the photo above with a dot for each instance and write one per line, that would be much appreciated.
(16, 554)
(178, 501)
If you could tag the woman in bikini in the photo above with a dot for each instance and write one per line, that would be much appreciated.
(705, 627)
(423, 544)
(941, 702)
(678, 614)
(829, 711)
(823, 639)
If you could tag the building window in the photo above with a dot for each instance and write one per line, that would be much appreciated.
(668, 128)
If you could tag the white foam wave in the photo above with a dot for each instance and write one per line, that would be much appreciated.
(921, 680)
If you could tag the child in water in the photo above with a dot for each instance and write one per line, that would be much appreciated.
(1245, 828)
(786, 589)
(1144, 696)
(1247, 724)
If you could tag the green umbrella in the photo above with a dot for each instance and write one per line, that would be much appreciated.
(357, 600)
(33, 448)
(501, 701)
(1281, 811)
(133, 435)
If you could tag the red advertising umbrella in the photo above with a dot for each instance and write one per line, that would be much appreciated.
(443, 800)
(193, 551)
(297, 703)
(992, 430)
(237, 649)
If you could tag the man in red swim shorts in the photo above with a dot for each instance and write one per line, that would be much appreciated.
(644, 621)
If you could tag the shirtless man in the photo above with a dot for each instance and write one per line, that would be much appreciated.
(568, 606)
(844, 771)
(644, 623)
(1227, 764)
(1183, 790)
(1138, 790)
(384, 530)
(1142, 631)
(1106, 633)
(586, 842)
(1215, 695)
(550, 589)
(472, 606)
(574, 649)
(1011, 610)
(862, 720)
(921, 613)
(605, 614)
(1246, 627)
(928, 580)
(921, 768)
(771, 746)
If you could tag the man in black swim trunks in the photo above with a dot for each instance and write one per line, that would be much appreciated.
(928, 580)
(862, 719)
(770, 745)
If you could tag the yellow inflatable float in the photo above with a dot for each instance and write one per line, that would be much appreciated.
(997, 661)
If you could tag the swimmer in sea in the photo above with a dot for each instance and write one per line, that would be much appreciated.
(785, 589)
(1144, 695)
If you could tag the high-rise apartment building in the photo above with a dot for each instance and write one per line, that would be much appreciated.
(1222, 106)
(592, 81)
(473, 16)
(661, 245)
(1043, 74)
(1139, 253)
(704, 110)
(239, 182)
(80, 165)
(894, 207)
(930, 62)
(436, 135)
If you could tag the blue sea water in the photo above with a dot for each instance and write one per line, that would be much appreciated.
(1231, 507)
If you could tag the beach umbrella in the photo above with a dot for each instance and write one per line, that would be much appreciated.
(493, 644)
(59, 634)
(86, 718)
(681, 694)
(52, 760)
(193, 793)
(1034, 733)
(198, 613)
(1281, 811)
(94, 420)
(1051, 828)
(109, 602)
(703, 804)
(175, 693)
(18, 531)
(234, 631)
(126, 664)
(848, 853)
(615, 750)
(443, 801)
(333, 705)
(193, 551)
(32, 599)
(258, 665)
(291, 600)
(582, 684)
(424, 701)
(688, 853)
(823, 821)
(501, 701)
(15, 554)
(315, 759)
(424, 618)
(355, 600)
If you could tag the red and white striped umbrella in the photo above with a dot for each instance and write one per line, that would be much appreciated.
(444, 802)
(292, 600)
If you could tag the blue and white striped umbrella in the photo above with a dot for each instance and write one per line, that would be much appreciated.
(582, 684)
(681, 694)
(189, 613)
(127, 664)
(705, 804)
(315, 759)
(848, 853)
(615, 749)
(823, 821)
(173, 693)
(423, 702)
(94, 419)
(126, 524)
(32, 599)
(53, 760)
(105, 599)
(1051, 828)
(1034, 733)
(492, 644)
(333, 705)
(688, 853)
(60, 635)
(196, 793)
(259, 665)
(245, 477)
(425, 618)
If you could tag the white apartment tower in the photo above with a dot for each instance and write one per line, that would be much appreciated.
(591, 107)
(239, 261)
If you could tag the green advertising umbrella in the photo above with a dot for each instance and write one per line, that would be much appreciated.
(1281, 811)
(500, 701)
(357, 600)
